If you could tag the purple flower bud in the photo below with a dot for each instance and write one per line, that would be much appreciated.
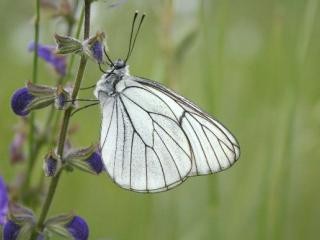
(60, 65)
(3, 201)
(97, 51)
(95, 162)
(62, 100)
(20, 101)
(78, 228)
(41, 237)
(16, 147)
(47, 53)
(94, 47)
(11, 230)
(51, 165)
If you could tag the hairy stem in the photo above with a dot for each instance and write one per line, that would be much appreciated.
(36, 145)
(65, 123)
(31, 157)
(72, 57)
(36, 42)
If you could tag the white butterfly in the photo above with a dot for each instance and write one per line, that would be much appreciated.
(152, 139)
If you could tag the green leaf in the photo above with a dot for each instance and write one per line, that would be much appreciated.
(185, 44)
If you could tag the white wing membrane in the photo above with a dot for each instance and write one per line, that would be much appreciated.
(152, 139)
(213, 146)
(143, 151)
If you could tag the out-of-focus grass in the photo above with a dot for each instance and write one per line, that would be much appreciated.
(254, 65)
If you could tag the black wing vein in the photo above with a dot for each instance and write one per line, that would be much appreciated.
(204, 153)
(105, 138)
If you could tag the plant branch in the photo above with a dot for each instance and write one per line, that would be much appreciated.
(35, 147)
(72, 57)
(31, 157)
(65, 123)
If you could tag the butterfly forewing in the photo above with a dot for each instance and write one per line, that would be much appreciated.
(213, 146)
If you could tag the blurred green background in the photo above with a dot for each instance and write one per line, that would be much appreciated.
(252, 64)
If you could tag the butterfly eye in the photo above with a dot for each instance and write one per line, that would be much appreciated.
(119, 64)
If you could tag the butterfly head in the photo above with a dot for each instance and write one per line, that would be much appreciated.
(119, 64)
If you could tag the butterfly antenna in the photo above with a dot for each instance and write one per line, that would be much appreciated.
(84, 107)
(135, 37)
(89, 87)
(101, 69)
(131, 33)
(109, 59)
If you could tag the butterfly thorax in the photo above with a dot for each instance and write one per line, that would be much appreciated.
(106, 86)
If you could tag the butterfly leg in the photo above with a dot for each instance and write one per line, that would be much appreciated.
(90, 87)
(84, 107)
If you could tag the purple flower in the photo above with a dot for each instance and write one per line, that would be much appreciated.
(94, 47)
(51, 165)
(3, 201)
(20, 101)
(97, 51)
(41, 237)
(62, 99)
(16, 147)
(47, 53)
(11, 231)
(95, 162)
(78, 228)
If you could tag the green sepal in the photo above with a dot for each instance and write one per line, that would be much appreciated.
(80, 154)
(76, 158)
(67, 45)
(82, 165)
(25, 231)
(60, 230)
(20, 215)
(62, 219)
(40, 102)
(40, 90)
(56, 225)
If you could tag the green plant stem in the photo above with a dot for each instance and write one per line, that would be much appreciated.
(36, 42)
(31, 157)
(71, 62)
(65, 123)
(34, 151)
